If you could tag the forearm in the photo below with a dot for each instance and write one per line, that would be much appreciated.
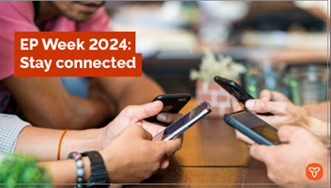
(84, 114)
(320, 128)
(319, 110)
(43, 143)
(46, 103)
(64, 171)
(130, 91)
(140, 91)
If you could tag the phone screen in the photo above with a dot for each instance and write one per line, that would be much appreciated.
(258, 126)
(185, 121)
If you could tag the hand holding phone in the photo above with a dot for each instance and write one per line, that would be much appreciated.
(172, 103)
(185, 122)
(253, 127)
(234, 89)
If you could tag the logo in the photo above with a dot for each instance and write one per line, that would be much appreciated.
(314, 171)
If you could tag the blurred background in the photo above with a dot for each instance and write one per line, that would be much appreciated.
(282, 44)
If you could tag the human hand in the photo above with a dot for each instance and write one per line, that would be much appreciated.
(133, 115)
(287, 162)
(283, 113)
(132, 157)
(167, 118)
(273, 96)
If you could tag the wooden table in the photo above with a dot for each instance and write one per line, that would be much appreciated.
(211, 156)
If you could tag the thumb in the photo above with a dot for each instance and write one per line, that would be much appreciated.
(171, 146)
(263, 106)
(140, 112)
(137, 131)
(261, 152)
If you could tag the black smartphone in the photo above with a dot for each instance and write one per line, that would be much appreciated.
(184, 122)
(234, 89)
(172, 103)
(253, 127)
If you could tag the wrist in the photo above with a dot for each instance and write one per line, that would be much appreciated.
(110, 162)
(98, 173)
(87, 168)
(318, 127)
(81, 140)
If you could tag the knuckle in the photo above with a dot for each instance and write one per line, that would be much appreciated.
(261, 105)
(285, 106)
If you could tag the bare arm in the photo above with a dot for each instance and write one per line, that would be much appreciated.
(43, 143)
(46, 103)
(318, 110)
(64, 171)
(126, 91)
(143, 157)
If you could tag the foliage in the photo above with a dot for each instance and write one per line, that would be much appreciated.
(20, 169)
(221, 66)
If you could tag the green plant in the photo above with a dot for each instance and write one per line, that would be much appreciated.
(21, 169)
(220, 66)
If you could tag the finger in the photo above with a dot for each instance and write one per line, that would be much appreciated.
(170, 154)
(168, 117)
(289, 134)
(240, 136)
(139, 112)
(273, 96)
(152, 128)
(261, 152)
(171, 146)
(263, 106)
(137, 130)
(235, 104)
(164, 164)
(266, 95)
(248, 146)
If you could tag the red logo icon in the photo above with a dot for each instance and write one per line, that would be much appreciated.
(314, 171)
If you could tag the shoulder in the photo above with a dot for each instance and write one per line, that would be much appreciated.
(16, 9)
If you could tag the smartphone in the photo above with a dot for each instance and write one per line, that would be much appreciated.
(172, 103)
(253, 127)
(234, 89)
(184, 122)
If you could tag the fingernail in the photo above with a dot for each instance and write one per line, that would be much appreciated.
(161, 117)
(250, 104)
(265, 98)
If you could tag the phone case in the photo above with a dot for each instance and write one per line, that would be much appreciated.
(232, 121)
(234, 89)
(178, 127)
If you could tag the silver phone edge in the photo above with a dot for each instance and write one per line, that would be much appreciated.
(191, 122)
